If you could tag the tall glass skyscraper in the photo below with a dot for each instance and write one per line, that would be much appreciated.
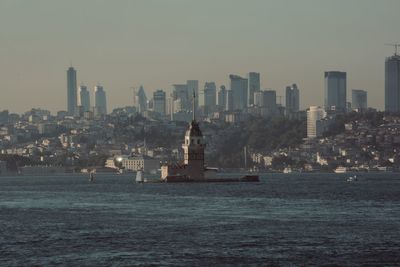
(84, 98)
(392, 84)
(100, 101)
(335, 91)
(210, 97)
(141, 100)
(71, 91)
(239, 92)
(253, 86)
(160, 102)
(222, 95)
(359, 99)
(292, 99)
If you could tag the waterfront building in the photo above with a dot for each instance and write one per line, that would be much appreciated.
(292, 99)
(392, 83)
(139, 163)
(210, 95)
(253, 86)
(315, 121)
(159, 102)
(71, 91)
(238, 89)
(335, 91)
(84, 98)
(100, 107)
(359, 100)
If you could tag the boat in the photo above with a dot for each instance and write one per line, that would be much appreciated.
(139, 177)
(92, 178)
(287, 170)
(352, 178)
(340, 169)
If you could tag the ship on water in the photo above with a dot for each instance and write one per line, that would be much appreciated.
(193, 169)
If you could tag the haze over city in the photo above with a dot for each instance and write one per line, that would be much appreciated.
(121, 44)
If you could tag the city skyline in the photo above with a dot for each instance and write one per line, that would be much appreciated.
(136, 48)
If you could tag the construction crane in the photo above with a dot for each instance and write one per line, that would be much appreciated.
(396, 45)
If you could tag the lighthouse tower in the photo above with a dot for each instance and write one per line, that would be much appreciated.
(192, 167)
(193, 148)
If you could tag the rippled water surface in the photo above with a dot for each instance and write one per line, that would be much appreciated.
(285, 220)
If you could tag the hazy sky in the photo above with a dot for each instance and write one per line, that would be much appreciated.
(121, 44)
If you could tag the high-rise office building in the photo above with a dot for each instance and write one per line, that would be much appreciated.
(315, 123)
(140, 100)
(253, 86)
(159, 102)
(292, 99)
(193, 86)
(229, 100)
(239, 92)
(71, 91)
(266, 102)
(335, 91)
(210, 97)
(222, 98)
(392, 83)
(100, 106)
(84, 98)
(359, 99)
(180, 92)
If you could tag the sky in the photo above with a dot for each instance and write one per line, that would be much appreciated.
(156, 43)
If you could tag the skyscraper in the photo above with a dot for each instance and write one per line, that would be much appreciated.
(315, 123)
(239, 92)
(222, 98)
(392, 83)
(210, 95)
(159, 102)
(100, 101)
(253, 86)
(84, 98)
(292, 99)
(335, 91)
(141, 100)
(266, 102)
(359, 99)
(71, 91)
(180, 96)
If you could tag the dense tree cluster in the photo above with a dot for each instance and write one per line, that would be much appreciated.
(257, 135)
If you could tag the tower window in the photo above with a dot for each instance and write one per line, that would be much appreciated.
(192, 141)
(198, 141)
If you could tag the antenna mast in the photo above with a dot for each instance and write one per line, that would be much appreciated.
(194, 106)
(396, 45)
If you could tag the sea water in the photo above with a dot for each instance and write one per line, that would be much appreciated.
(285, 220)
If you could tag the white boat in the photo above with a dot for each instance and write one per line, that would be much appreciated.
(340, 169)
(91, 176)
(287, 170)
(139, 177)
(351, 178)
